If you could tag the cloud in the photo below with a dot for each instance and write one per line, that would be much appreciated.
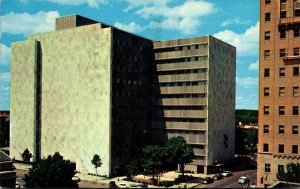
(131, 27)
(247, 81)
(31, 23)
(4, 54)
(90, 3)
(248, 102)
(253, 66)
(246, 43)
(184, 18)
(234, 21)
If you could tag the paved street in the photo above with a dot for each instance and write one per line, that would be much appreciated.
(232, 181)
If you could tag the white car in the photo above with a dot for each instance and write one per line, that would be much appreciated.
(226, 174)
(122, 185)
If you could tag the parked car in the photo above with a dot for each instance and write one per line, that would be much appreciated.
(76, 178)
(122, 185)
(226, 174)
(206, 180)
(112, 184)
(218, 176)
(244, 180)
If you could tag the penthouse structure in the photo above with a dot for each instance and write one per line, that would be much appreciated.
(88, 88)
(278, 88)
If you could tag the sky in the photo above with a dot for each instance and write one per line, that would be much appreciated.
(233, 21)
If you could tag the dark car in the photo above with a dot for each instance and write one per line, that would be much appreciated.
(206, 180)
(218, 176)
(112, 184)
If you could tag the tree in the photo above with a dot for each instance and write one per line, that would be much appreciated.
(180, 152)
(96, 161)
(51, 172)
(291, 174)
(153, 158)
(246, 140)
(26, 155)
(132, 169)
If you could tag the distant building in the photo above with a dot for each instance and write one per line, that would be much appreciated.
(7, 172)
(279, 82)
(89, 88)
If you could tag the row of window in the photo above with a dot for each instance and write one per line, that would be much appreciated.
(203, 95)
(176, 84)
(281, 148)
(282, 31)
(281, 110)
(281, 129)
(170, 119)
(180, 48)
(282, 53)
(182, 60)
(268, 168)
(183, 107)
(281, 91)
(281, 72)
(175, 72)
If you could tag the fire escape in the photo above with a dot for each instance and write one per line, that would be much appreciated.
(289, 19)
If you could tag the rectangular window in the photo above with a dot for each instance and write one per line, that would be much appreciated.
(295, 110)
(282, 14)
(267, 54)
(295, 129)
(296, 51)
(266, 148)
(266, 110)
(267, 2)
(281, 110)
(281, 72)
(295, 71)
(280, 168)
(281, 91)
(267, 72)
(282, 33)
(282, 53)
(281, 129)
(296, 32)
(280, 148)
(267, 35)
(267, 16)
(266, 91)
(297, 12)
(295, 91)
(266, 129)
(294, 149)
(267, 168)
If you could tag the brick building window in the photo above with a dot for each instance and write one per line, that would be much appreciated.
(282, 53)
(281, 91)
(296, 31)
(267, 16)
(294, 149)
(266, 148)
(267, 1)
(281, 110)
(295, 129)
(267, 72)
(266, 110)
(295, 71)
(281, 129)
(267, 54)
(280, 168)
(296, 51)
(267, 168)
(295, 91)
(266, 129)
(267, 35)
(280, 148)
(282, 33)
(295, 110)
(282, 14)
(281, 72)
(266, 91)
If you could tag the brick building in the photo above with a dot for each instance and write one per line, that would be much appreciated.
(279, 83)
